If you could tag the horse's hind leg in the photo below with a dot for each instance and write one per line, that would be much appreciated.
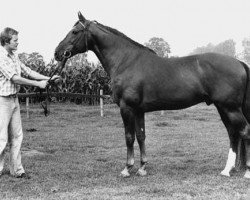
(129, 125)
(140, 135)
(247, 149)
(236, 125)
(232, 133)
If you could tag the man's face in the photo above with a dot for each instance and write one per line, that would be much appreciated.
(12, 46)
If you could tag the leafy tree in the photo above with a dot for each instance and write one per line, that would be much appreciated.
(227, 47)
(246, 51)
(78, 61)
(34, 60)
(204, 49)
(75, 73)
(159, 45)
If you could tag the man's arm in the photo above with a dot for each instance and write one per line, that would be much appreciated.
(23, 81)
(35, 75)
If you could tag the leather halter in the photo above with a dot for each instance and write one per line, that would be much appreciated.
(85, 32)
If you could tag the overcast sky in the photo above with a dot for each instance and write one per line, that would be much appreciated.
(184, 24)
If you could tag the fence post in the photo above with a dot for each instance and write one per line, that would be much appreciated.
(27, 107)
(101, 102)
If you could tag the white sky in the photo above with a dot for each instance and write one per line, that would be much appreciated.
(184, 24)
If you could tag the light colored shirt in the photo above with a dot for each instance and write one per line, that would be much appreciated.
(10, 65)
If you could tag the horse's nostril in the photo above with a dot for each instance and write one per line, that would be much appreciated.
(67, 54)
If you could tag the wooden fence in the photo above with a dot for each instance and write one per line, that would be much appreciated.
(27, 96)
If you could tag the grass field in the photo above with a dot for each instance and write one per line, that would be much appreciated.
(76, 154)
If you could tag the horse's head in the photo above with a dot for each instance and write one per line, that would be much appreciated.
(76, 41)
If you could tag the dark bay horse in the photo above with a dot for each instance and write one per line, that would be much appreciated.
(144, 82)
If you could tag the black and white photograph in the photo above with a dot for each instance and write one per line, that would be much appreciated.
(125, 100)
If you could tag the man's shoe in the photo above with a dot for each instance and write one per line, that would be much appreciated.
(23, 175)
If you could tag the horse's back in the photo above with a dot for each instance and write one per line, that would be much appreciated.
(155, 83)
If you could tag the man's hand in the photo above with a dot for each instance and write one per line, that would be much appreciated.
(56, 79)
(42, 84)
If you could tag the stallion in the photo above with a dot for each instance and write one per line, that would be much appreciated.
(143, 82)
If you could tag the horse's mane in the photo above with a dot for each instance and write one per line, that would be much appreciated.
(116, 32)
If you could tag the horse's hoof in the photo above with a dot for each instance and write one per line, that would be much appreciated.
(225, 173)
(125, 173)
(141, 172)
(247, 174)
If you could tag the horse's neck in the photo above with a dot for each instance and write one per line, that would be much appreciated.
(113, 53)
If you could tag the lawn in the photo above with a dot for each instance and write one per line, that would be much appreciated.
(76, 154)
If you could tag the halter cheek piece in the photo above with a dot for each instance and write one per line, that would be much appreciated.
(67, 53)
(82, 25)
(86, 28)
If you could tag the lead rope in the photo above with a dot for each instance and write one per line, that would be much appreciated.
(45, 103)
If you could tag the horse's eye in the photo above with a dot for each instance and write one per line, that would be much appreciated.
(74, 32)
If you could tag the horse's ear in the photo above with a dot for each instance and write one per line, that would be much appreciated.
(80, 16)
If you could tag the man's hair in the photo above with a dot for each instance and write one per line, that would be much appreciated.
(6, 35)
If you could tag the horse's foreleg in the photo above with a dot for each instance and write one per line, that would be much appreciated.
(129, 125)
(140, 135)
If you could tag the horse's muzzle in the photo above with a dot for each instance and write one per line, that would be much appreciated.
(57, 56)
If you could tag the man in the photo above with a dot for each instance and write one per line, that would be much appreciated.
(11, 69)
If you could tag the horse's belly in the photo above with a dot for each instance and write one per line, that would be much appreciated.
(172, 100)
(169, 105)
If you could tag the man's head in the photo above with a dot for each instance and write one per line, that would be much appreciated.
(9, 39)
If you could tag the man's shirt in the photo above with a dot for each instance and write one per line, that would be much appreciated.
(10, 65)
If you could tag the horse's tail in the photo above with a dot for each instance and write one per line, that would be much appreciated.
(246, 99)
(241, 157)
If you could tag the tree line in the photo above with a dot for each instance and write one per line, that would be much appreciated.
(227, 47)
